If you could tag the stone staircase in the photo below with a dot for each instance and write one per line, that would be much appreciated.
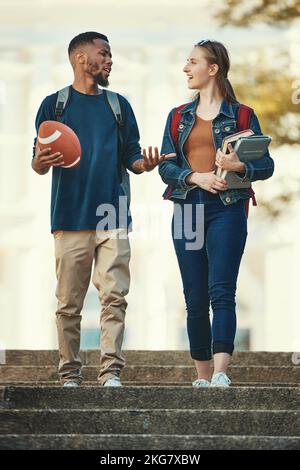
(157, 409)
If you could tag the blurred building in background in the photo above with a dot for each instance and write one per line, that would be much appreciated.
(150, 42)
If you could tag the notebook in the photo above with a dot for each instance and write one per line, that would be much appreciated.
(247, 149)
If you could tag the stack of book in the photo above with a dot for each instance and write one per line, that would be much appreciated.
(247, 147)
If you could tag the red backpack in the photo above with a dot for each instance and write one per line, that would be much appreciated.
(244, 117)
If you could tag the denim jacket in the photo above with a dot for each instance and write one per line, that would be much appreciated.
(174, 170)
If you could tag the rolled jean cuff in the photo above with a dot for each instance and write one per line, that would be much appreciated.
(219, 347)
(201, 354)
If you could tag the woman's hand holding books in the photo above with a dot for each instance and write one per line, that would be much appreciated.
(229, 161)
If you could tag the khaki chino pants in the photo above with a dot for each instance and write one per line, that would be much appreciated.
(75, 253)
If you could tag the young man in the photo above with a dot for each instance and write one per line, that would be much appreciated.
(79, 200)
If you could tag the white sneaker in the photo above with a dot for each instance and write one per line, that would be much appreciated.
(113, 382)
(201, 383)
(220, 380)
(71, 383)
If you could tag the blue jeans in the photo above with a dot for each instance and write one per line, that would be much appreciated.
(209, 273)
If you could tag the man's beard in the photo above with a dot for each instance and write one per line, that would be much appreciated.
(102, 81)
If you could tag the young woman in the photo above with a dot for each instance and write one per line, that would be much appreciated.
(209, 271)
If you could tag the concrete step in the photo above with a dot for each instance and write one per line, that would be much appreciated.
(157, 408)
(147, 421)
(91, 357)
(49, 383)
(146, 442)
(238, 398)
(150, 374)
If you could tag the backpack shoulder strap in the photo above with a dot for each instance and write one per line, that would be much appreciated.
(114, 104)
(176, 118)
(175, 121)
(244, 117)
(62, 101)
(243, 123)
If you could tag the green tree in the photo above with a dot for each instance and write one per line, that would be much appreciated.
(269, 90)
(270, 93)
(245, 12)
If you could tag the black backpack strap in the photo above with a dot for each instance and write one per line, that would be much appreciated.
(62, 101)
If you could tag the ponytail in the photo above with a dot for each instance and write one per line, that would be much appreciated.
(226, 89)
